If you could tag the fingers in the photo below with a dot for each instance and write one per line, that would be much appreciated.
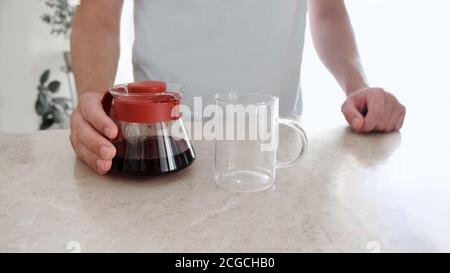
(400, 121)
(375, 110)
(390, 103)
(384, 112)
(351, 113)
(92, 111)
(396, 118)
(90, 145)
(92, 160)
(86, 134)
(393, 115)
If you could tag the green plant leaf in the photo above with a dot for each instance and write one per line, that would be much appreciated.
(42, 104)
(58, 114)
(39, 107)
(63, 102)
(45, 76)
(54, 86)
(59, 17)
(47, 122)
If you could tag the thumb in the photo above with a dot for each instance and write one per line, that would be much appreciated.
(354, 118)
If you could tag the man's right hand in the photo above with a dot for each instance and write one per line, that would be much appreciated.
(91, 132)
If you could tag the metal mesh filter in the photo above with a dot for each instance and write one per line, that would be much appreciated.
(163, 98)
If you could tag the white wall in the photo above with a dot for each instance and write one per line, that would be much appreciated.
(404, 45)
(125, 69)
(26, 50)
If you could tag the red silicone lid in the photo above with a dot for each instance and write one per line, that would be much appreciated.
(147, 87)
(150, 104)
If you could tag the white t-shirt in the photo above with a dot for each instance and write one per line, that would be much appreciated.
(211, 46)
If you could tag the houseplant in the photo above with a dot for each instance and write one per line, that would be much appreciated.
(55, 111)
(60, 18)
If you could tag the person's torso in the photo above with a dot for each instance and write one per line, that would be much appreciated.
(211, 46)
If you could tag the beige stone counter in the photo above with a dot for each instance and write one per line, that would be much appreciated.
(350, 193)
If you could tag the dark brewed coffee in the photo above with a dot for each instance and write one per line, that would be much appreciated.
(153, 156)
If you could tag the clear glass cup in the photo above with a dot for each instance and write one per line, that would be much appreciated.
(246, 141)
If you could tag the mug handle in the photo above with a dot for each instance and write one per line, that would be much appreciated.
(303, 138)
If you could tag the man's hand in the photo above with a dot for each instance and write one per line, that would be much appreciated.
(373, 110)
(366, 110)
(90, 132)
(95, 53)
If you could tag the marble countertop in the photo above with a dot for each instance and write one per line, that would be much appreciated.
(350, 193)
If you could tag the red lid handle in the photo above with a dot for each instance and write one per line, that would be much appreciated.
(147, 87)
(143, 111)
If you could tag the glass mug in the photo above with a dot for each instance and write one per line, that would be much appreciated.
(246, 141)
